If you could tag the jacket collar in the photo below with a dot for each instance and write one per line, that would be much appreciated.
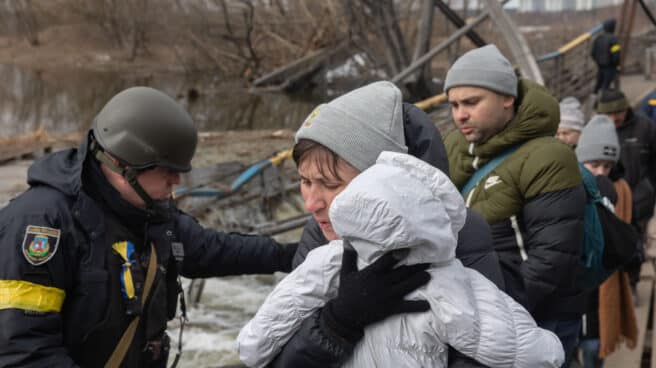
(630, 120)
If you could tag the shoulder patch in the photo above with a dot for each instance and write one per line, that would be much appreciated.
(40, 244)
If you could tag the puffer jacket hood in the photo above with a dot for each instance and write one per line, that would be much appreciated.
(425, 207)
(609, 25)
(537, 115)
(60, 170)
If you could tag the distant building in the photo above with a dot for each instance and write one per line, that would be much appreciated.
(560, 5)
(540, 5)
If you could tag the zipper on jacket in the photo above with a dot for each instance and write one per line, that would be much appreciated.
(470, 195)
(470, 150)
(584, 324)
(518, 237)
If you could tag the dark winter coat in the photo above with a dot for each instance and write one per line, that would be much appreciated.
(606, 47)
(69, 311)
(638, 157)
(533, 201)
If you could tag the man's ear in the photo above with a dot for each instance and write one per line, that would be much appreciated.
(508, 101)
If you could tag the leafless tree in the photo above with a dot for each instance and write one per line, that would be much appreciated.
(125, 22)
(25, 13)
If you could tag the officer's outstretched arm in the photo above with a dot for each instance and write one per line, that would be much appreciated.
(213, 253)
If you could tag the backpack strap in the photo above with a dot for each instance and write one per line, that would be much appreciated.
(124, 343)
(486, 169)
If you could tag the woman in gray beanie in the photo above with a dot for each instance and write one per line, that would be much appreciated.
(335, 143)
(571, 121)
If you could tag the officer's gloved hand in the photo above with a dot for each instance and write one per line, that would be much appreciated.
(373, 293)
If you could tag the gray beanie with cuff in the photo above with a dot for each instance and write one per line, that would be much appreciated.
(359, 125)
(598, 141)
(483, 67)
(571, 116)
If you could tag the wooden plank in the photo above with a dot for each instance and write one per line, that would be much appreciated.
(455, 36)
(14, 152)
(34, 144)
(623, 357)
(279, 75)
(515, 41)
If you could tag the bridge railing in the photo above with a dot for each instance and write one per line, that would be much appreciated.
(570, 71)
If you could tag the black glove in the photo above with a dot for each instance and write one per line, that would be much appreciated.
(373, 293)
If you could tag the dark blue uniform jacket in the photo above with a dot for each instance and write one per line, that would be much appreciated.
(62, 312)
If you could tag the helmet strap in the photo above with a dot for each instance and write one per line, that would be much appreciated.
(130, 174)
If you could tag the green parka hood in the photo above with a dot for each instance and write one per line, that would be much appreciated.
(537, 115)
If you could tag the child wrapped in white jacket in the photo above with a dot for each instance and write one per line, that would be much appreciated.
(402, 202)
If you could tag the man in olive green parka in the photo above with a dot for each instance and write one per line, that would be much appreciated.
(533, 199)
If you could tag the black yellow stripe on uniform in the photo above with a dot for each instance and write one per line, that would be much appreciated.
(28, 296)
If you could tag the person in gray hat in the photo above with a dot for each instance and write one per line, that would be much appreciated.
(93, 250)
(509, 167)
(571, 121)
(599, 147)
(637, 136)
(336, 142)
(610, 318)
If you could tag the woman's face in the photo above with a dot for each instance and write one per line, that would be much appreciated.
(319, 186)
(568, 135)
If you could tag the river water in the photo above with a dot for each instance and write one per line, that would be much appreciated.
(66, 101)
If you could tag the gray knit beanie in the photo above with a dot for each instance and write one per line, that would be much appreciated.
(598, 141)
(571, 116)
(359, 125)
(484, 67)
(571, 101)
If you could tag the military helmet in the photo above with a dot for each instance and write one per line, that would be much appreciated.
(143, 127)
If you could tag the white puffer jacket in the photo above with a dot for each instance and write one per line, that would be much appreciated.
(402, 202)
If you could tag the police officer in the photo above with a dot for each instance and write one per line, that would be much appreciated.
(91, 253)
